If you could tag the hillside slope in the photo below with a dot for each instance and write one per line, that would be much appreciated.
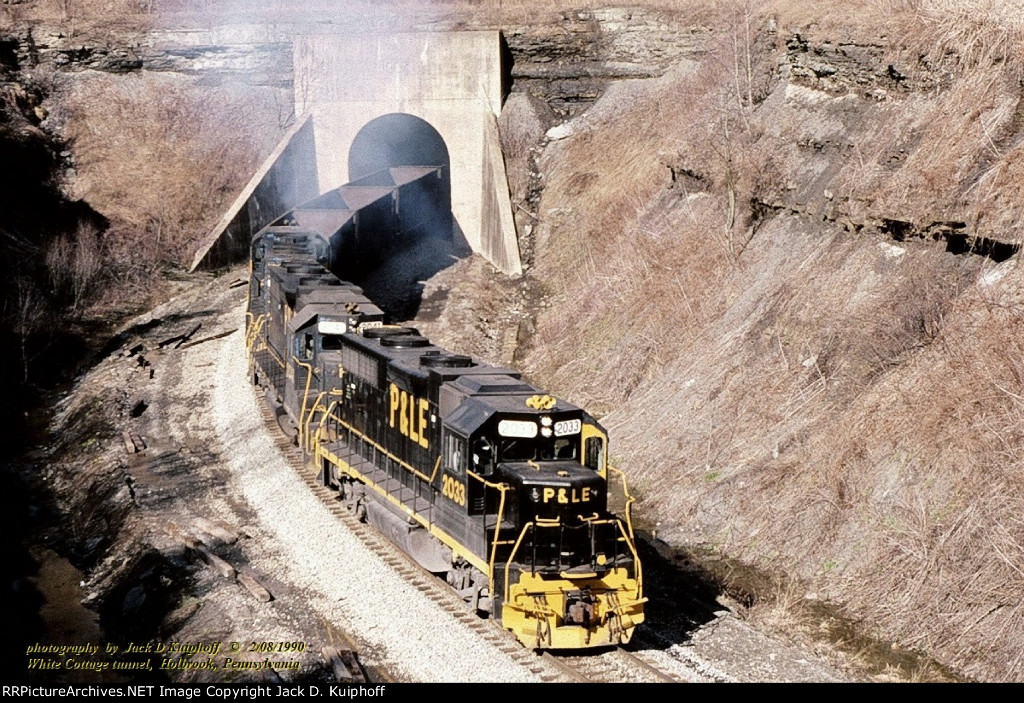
(778, 272)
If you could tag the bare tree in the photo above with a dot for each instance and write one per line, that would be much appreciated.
(74, 262)
(29, 315)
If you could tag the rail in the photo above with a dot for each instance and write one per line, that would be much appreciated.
(628, 510)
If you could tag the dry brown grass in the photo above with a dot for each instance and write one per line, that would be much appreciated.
(80, 15)
(659, 197)
(162, 157)
(74, 262)
(812, 401)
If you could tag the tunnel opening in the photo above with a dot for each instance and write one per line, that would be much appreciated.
(381, 151)
(396, 140)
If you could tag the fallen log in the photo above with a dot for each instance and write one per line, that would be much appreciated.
(129, 445)
(344, 665)
(188, 336)
(216, 563)
(214, 530)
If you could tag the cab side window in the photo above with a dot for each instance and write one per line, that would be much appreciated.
(455, 454)
(304, 346)
(594, 458)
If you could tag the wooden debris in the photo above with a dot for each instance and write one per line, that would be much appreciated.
(188, 336)
(219, 565)
(344, 664)
(237, 531)
(217, 531)
(254, 587)
(132, 442)
(179, 339)
(207, 339)
(238, 283)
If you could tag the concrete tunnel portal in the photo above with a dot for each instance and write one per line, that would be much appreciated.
(398, 111)
(397, 140)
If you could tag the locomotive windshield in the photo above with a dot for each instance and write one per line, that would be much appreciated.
(538, 448)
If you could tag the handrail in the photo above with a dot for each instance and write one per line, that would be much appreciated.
(503, 489)
(494, 544)
(279, 360)
(254, 328)
(305, 394)
(511, 556)
(629, 499)
(379, 447)
(322, 429)
(631, 538)
(307, 446)
(489, 484)
(539, 523)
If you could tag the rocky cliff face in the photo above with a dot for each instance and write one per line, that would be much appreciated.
(785, 291)
(891, 142)
(570, 60)
(566, 58)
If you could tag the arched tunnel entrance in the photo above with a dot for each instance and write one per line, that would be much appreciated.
(397, 141)
(397, 112)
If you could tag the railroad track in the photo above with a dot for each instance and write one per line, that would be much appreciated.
(616, 666)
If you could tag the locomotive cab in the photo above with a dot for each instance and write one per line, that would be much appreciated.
(564, 569)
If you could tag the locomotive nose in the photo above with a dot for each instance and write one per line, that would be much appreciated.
(556, 490)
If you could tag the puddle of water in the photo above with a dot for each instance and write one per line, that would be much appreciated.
(65, 619)
(65, 622)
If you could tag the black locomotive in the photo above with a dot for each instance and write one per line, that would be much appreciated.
(479, 476)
